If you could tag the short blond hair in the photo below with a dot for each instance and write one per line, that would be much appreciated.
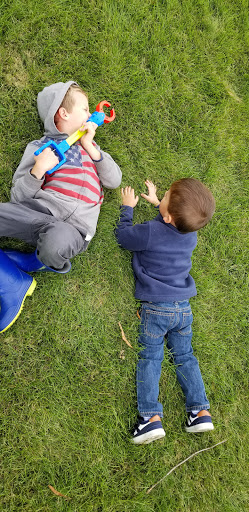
(69, 98)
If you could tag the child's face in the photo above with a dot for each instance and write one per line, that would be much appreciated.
(79, 114)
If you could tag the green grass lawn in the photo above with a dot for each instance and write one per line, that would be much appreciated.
(177, 73)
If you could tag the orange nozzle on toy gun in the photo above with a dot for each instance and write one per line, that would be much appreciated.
(99, 108)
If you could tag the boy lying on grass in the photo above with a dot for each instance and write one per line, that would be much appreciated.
(162, 250)
(56, 213)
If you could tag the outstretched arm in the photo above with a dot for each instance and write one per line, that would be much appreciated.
(133, 238)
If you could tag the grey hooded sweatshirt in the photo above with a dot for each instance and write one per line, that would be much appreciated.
(74, 192)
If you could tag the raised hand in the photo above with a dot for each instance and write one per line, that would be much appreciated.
(128, 197)
(151, 197)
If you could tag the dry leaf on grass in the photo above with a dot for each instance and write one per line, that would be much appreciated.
(123, 336)
(57, 493)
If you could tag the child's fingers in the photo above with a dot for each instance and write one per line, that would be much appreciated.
(84, 127)
(94, 125)
(148, 198)
(149, 183)
(127, 191)
(89, 125)
(47, 154)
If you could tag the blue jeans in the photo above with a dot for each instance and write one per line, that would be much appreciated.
(171, 320)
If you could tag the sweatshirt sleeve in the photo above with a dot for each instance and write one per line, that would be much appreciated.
(24, 185)
(133, 238)
(109, 172)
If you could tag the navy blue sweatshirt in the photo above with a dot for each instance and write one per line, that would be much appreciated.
(161, 259)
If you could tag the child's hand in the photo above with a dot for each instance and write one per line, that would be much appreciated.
(44, 162)
(90, 128)
(151, 197)
(128, 197)
(87, 140)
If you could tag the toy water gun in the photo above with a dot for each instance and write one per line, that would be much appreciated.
(98, 117)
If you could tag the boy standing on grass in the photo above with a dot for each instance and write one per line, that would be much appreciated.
(56, 213)
(161, 263)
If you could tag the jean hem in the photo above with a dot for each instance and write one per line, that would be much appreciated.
(198, 408)
(150, 414)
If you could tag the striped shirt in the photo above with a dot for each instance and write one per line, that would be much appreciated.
(77, 178)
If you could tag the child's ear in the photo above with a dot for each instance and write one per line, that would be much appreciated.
(167, 218)
(63, 113)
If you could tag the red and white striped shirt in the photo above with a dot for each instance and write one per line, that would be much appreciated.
(77, 178)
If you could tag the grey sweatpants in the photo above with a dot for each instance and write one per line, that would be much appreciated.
(56, 241)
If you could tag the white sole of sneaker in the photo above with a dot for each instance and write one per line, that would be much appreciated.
(206, 427)
(147, 438)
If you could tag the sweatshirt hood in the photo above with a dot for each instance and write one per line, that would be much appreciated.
(48, 102)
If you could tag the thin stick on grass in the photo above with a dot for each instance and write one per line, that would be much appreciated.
(180, 463)
(123, 336)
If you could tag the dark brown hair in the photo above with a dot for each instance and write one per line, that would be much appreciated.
(191, 204)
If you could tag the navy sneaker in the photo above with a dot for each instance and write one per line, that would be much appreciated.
(147, 431)
(197, 423)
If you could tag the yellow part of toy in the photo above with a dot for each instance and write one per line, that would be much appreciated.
(75, 136)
